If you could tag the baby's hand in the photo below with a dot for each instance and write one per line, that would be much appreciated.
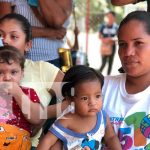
(86, 148)
(10, 88)
(4, 87)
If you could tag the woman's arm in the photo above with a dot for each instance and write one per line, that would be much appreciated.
(56, 18)
(111, 138)
(52, 33)
(5, 8)
(53, 110)
(56, 86)
(48, 32)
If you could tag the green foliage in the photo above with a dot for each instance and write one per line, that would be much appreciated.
(97, 9)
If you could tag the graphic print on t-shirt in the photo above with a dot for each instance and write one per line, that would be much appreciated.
(134, 131)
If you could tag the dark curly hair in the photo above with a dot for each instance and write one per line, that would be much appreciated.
(9, 54)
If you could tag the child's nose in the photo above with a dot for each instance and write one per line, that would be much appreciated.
(92, 101)
(7, 77)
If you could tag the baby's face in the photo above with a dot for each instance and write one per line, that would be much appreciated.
(10, 72)
(88, 98)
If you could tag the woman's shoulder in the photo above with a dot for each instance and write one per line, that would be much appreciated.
(114, 81)
(39, 65)
(115, 78)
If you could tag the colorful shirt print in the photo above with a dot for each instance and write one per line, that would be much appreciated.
(129, 113)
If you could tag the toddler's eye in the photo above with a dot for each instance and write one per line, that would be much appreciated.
(14, 72)
(84, 98)
(98, 96)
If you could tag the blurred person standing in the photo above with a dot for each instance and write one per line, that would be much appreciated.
(107, 35)
(46, 39)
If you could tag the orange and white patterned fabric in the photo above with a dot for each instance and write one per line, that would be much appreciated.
(14, 138)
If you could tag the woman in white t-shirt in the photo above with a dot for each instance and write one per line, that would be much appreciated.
(127, 96)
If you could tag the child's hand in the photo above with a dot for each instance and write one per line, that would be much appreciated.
(86, 148)
(4, 86)
(10, 88)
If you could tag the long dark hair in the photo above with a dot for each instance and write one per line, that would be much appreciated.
(141, 16)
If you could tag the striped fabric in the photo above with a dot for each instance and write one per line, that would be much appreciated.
(42, 48)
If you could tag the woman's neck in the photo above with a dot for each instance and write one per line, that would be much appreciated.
(137, 84)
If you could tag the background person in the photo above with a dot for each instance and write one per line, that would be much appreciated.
(128, 107)
(75, 46)
(87, 123)
(107, 33)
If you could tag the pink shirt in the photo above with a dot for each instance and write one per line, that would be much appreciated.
(11, 113)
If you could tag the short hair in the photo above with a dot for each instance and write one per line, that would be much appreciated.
(141, 16)
(25, 25)
(79, 74)
(9, 53)
(111, 12)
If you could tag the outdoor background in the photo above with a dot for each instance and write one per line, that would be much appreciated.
(89, 15)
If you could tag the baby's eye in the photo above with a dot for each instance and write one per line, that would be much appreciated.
(84, 98)
(98, 96)
(14, 72)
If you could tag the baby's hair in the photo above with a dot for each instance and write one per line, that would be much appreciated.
(10, 54)
(79, 74)
(24, 23)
